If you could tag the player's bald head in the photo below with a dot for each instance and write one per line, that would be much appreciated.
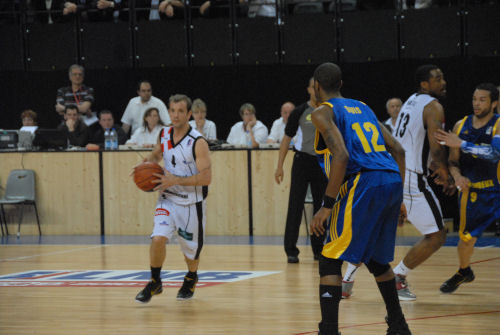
(329, 77)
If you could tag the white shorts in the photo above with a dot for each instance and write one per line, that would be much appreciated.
(187, 221)
(424, 211)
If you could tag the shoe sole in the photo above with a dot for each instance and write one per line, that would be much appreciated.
(145, 302)
(183, 299)
(406, 298)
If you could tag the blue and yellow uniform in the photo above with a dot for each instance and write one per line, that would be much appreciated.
(364, 219)
(480, 205)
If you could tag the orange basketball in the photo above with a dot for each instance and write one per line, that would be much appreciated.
(143, 175)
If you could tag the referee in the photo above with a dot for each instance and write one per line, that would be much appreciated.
(305, 170)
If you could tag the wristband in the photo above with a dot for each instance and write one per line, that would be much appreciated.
(328, 202)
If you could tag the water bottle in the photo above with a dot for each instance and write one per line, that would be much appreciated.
(114, 139)
(107, 139)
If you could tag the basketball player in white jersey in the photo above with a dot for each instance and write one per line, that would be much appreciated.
(181, 204)
(420, 117)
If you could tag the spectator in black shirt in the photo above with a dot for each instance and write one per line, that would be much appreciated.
(75, 130)
(96, 131)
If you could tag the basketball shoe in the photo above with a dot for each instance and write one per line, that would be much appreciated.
(454, 282)
(187, 290)
(404, 293)
(399, 327)
(152, 288)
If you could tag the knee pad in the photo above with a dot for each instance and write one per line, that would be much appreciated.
(329, 266)
(376, 268)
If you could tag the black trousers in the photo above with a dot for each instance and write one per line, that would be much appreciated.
(305, 170)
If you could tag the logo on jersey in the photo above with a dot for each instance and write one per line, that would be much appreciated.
(161, 211)
(120, 278)
(185, 235)
(190, 141)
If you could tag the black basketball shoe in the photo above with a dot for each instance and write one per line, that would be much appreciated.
(187, 290)
(151, 289)
(454, 282)
(399, 327)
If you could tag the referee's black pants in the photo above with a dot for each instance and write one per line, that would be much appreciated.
(305, 170)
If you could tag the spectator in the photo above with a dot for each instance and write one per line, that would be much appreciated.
(147, 135)
(250, 131)
(218, 8)
(77, 95)
(96, 132)
(200, 123)
(52, 8)
(392, 106)
(171, 8)
(107, 10)
(263, 8)
(278, 128)
(134, 113)
(75, 130)
(29, 118)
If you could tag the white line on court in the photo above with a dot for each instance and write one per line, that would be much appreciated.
(50, 253)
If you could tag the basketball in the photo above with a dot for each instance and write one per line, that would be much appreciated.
(143, 175)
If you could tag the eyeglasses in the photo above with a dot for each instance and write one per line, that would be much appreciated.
(74, 74)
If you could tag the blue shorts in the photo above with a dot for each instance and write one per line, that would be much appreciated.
(478, 209)
(364, 220)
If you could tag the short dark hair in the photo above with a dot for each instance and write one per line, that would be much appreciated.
(329, 77)
(143, 81)
(30, 114)
(423, 73)
(105, 111)
(181, 97)
(491, 88)
(70, 106)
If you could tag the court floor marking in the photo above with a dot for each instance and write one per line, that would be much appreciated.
(49, 253)
(412, 319)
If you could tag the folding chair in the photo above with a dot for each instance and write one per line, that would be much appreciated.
(20, 191)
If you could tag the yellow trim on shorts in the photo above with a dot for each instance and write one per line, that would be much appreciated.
(336, 247)
(461, 125)
(464, 236)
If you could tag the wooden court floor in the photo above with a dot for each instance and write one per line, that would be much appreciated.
(285, 302)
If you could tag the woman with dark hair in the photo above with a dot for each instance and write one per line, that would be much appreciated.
(147, 135)
(29, 118)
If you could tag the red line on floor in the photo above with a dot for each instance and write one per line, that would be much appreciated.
(413, 319)
(486, 260)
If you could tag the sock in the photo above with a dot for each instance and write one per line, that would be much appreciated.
(350, 272)
(192, 275)
(401, 269)
(329, 299)
(155, 273)
(465, 272)
(390, 296)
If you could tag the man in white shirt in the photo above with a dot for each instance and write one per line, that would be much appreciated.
(134, 113)
(249, 132)
(393, 106)
(278, 128)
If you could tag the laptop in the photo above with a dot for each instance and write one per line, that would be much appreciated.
(50, 139)
(8, 139)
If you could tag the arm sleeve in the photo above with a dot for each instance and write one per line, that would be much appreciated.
(135, 137)
(274, 134)
(293, 120)
(163, 113)
(261, 134)
(488, 152)
(127, 115)
(122, 137)
(60, 96)
(230, 138)
(90, 95)
(212, 132)
(79, 137)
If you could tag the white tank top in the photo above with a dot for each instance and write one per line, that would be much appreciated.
(180, 160)
(411, 133)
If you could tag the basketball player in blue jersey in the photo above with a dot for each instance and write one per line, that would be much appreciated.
(474, 164)
(363, 199)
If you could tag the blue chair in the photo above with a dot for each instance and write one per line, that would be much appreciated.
(20, 191)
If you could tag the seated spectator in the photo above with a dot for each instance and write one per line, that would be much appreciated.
(392, 106)
(29, 118)
(217, 8)
(75, 130)
(147, 135)
(171, 8)
(262, 8)
(134, 113)
(107, 10)
(200, 123)
(77, 95)
(52, 10)
(96, 132)
(250, 131)
(278, 128)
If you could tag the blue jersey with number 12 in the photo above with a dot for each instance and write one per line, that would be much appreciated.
(362, 136)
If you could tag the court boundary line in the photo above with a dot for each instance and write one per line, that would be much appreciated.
(412, 319)
(50, 253)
